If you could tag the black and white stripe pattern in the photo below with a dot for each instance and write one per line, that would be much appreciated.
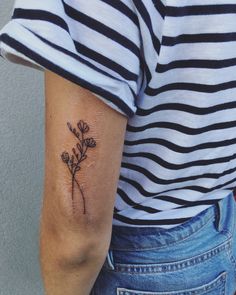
(170, 67)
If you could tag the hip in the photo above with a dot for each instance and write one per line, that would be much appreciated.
(197, 257)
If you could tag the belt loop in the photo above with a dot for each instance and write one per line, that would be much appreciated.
(110, 260)
(218, 217)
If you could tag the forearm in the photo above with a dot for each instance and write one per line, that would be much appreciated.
(70, 280)
(64, 275)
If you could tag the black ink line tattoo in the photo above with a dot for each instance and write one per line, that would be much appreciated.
(73, 161)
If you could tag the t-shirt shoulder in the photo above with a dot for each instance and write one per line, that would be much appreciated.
(94, 50)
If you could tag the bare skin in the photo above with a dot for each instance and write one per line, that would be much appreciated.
(79, 192)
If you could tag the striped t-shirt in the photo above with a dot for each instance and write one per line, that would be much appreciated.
(170, 67)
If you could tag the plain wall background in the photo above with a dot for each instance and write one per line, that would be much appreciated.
(21, 173)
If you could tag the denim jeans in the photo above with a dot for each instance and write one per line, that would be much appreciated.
(197, 257)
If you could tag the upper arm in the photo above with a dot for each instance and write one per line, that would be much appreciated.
(93, 49)
(96, 145)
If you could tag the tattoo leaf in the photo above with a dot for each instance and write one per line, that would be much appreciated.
(65, 157)
(76, 155)
(79, 147)
(83, 157)
(69, 126)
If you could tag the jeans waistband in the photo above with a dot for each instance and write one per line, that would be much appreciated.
(137, 238)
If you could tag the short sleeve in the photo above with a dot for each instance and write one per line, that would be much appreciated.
(95, 44)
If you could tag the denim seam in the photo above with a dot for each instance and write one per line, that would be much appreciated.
(234, 228)
(230, 250)
(169, 244)
(220, 283)
(232, 259)
(173, 266)
(226, 233)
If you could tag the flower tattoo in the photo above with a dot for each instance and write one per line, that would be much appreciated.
(79, 154)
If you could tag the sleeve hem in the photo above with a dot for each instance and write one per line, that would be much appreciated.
(20, 45)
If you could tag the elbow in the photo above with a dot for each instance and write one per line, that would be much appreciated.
(72, 239)
(69, 244)
(87, 244)
(71, 258)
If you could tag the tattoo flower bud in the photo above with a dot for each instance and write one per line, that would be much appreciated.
(90, 142)
(83, 126)
(65, 157)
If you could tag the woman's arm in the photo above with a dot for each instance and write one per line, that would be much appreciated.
(83, 148)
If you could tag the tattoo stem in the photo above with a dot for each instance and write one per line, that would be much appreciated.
(72, 194)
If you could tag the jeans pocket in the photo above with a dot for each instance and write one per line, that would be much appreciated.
(214, 287)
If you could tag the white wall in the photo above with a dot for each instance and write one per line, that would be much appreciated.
(21, 173)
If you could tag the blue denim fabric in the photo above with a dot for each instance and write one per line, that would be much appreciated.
(197, 257)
